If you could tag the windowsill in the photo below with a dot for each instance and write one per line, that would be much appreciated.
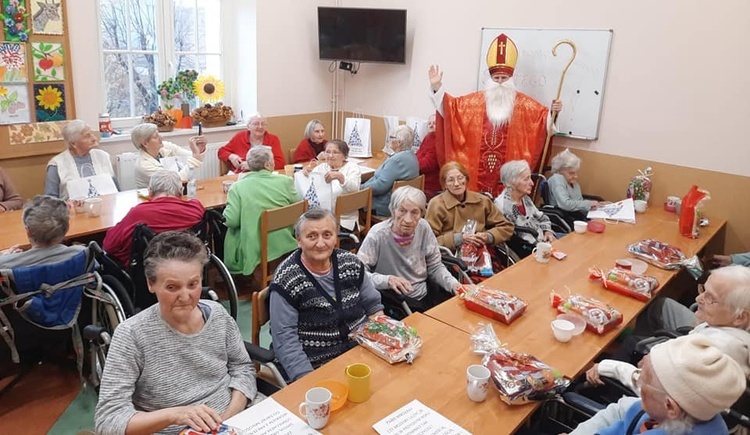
(124, 137)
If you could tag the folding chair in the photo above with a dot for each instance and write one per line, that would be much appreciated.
(272, 220)
(355, 202)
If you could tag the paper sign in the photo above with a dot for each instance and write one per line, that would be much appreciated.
(417, 419)
(621, 211)
(89, 187)
(174, 163)
(270, 418)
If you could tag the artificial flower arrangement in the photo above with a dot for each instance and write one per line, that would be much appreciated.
(209, 90)
(178, 88)
(163, 119)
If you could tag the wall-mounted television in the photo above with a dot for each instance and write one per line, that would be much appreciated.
(362, 35)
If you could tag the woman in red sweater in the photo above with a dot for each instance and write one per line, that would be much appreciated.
(428, 162)
(313, 146)
(236, 149)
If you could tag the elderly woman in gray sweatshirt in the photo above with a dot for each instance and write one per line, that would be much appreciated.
(403, 252)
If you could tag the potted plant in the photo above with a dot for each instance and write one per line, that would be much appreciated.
(178, 91)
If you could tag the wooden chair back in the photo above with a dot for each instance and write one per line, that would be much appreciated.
(417, 182)
(353, 202)
(272, 220)
(291, 155)
(260, 315)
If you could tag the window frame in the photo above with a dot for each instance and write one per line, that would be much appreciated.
(166, 53)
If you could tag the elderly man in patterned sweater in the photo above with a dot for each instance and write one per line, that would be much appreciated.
(319, 294)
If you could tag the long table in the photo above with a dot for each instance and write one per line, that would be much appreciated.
(115, 207)
(533, 282)
(437, 378)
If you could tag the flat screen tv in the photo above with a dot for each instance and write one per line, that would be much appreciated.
(362, 35)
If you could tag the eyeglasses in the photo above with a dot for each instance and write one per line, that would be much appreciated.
(261, 124)
(458, 180)
(638, 383)
(708, 299)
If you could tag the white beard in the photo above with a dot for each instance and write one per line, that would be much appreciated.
(499, 99)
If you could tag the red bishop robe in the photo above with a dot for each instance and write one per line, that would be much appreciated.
(466, 135)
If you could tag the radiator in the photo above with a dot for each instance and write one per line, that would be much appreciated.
(126, 162)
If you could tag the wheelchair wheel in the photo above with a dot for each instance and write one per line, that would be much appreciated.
(506, 255)
(106, 312)
(228, 283)
(122, 294)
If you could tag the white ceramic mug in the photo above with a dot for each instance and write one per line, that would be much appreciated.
(640, 206)
(93, 206)
(542, 252)
(226, 185)
(672, 200)
(563, 330)
(79, 204)
(580, 226)
(477, 382)
(316, 407)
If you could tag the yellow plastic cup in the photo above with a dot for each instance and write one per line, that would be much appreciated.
(358, 381)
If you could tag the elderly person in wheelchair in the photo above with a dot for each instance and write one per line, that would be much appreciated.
(449, 212)
(684, 384)
(317, 292)
(723, 313)
(518, 207)
(166, 210)
(565, 192)
(181, 362)
(46, 220)
(403, 252)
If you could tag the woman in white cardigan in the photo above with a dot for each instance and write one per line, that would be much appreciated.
(147, 140)
(82, 159)
(343, 176)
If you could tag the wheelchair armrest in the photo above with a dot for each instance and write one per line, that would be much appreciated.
(353, 237)
(390, 295)
(614, 384)
(644, 346)
(670, 333)
(257, 353)
(593, 197)
(527, 230)
(582, 403)
(454, 261)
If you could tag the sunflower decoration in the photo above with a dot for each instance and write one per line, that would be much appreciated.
(208, 88)
(49, 98)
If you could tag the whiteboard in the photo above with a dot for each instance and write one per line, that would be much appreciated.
(538, 72)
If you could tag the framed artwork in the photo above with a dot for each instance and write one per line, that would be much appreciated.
(13, 62)
(49, 102)
(47, 17)
(48, 61)
(14, 104)
(15, 17)
(36, 132)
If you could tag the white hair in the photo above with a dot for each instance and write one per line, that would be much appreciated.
(408, 193)
(72, 131)
(405, 136)
(737, 279)
(511, 170)
(565, 161)
(257, 157)
(141, 133)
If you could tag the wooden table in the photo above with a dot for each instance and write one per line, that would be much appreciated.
(437, 378)
(114, 208)
(533, 282)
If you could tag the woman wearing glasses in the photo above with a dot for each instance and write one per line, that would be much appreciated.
(234, 152)
(448, 212)
(343, 177)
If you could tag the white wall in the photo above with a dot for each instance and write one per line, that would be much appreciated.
(676, 91)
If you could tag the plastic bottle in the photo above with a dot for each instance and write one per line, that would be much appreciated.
(191, 187)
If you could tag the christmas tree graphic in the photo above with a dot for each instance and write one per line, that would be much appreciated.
(92, 191)
(417, 137)
(312, 198)
(354, 140)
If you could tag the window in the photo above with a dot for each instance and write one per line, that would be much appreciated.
(144, 42)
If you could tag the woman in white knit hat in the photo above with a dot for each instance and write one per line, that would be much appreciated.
(684, 384)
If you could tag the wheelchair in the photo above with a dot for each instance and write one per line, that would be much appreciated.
(66, 295)
(396, 305)
(546, 195)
